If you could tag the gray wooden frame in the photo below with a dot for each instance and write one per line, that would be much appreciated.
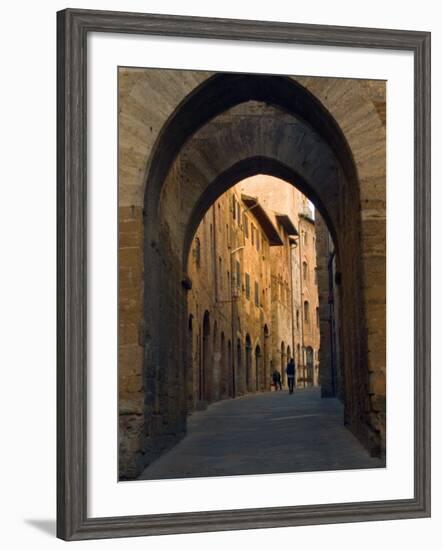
(73, 27)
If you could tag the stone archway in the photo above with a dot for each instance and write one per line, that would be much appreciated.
(197, 156)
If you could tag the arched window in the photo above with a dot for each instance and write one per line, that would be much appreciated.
(305, 271)
(220, 271)
(306, 312)
(247, 281)
(197, 252)
(297, 318)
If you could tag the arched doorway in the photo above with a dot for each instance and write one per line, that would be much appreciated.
(309, 363)
(215, 367)
(266, 361)
(321, 166)
(298, 364)
(189, 362)
(258, 367)
(283, 363)
(287, 359)
(248, 373)
(238, 374)
(206, 357)
(224, 372)
(230, 371)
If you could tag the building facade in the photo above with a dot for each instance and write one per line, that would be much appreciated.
(253, 297)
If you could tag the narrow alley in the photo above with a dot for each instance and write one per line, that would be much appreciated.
(264, 433)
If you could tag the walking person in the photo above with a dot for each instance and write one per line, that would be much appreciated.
(276, 378)
(278, 374)
(290, 370)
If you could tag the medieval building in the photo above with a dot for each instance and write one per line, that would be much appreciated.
(253, 302)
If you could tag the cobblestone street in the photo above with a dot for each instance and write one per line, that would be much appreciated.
(264, 433)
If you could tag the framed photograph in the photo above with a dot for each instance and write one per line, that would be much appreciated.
(243, 274)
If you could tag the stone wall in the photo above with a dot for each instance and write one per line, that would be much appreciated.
(130, 348)
(330, 374)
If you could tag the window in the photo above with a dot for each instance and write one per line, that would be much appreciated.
(305, 271)
(306, 312)
(305, 237)
(197, 252)
(234, 207)
(245, 222)
(247, 277)
(257, 240)
(239, 214)
(253, 234)
(297, 318)
(256, 293)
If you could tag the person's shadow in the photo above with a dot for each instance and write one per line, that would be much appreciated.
(47, 526)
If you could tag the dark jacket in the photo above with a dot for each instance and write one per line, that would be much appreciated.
(290, 369)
